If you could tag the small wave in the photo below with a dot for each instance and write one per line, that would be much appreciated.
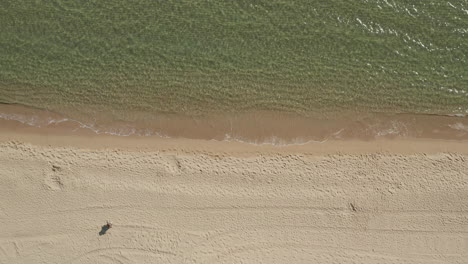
(396, 128)
(124, 131)
(43, 122)
(34, 121)
(272, 141)
(459, 127)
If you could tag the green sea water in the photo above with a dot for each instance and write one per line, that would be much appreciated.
(201, 56)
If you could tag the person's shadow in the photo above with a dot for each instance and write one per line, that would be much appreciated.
(104, 229)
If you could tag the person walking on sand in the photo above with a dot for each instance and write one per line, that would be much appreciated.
(105, 227)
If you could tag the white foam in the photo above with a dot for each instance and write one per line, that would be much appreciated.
(459, 126)
(396, 128)
(271, 141)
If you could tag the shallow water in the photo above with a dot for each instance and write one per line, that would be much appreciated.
(108, 60)
(257, 128)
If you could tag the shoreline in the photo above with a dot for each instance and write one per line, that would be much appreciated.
(256, 128)
(20, 134)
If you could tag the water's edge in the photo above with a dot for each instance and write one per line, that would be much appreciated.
(255, 127)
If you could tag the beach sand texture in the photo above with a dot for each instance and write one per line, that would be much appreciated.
(200, 206)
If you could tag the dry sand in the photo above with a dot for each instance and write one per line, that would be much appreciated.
(195, 201)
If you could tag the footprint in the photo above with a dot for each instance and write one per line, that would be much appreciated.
(53, 180)
(174, 165)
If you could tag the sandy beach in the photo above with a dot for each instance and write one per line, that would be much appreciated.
(199, 201)
(234, 132)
